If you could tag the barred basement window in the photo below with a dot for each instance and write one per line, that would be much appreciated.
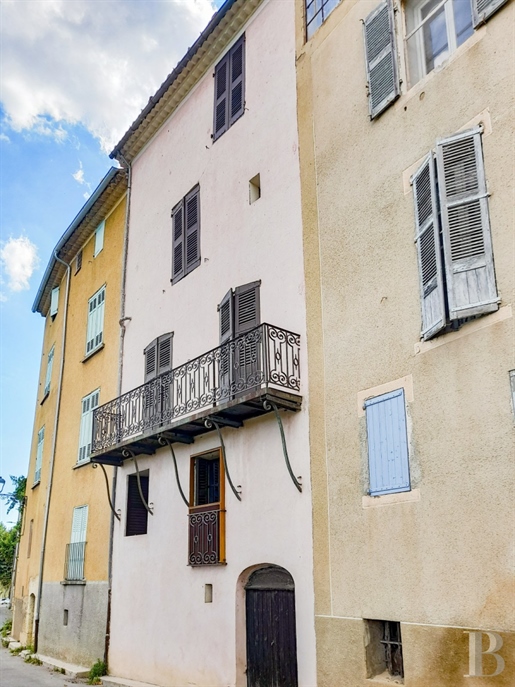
(383, 649)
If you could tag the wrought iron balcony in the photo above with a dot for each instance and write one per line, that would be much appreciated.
(74, 561)
(206, 537)
(229, 384)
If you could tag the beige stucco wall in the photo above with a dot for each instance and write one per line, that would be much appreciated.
(442, 562)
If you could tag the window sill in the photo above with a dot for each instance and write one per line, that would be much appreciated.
(80, 583)
(81, 464)
(36, 484)
(390, 499)
(46, 395)
(93, 352)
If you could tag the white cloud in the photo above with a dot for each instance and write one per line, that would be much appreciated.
(4, 137)
(19, 259)
(89, 61)
(79, 178)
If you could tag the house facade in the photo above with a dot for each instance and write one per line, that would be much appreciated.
(62, 572)
(212, 550)
(406, 118)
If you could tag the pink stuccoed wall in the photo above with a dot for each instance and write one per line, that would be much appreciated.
(162, 632)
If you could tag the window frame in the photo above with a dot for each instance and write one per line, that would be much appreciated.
(86, 426)
(95, 322)
(39, 455)
(99, 238)
(321, 11)
(54, 301)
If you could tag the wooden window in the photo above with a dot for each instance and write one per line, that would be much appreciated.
(207, 509)
(94, 337)
(54, 301)
(384, 649)
(317, 12)
(39, 455)
(229, 89)
(137, 514)
(387, 441)
(186, 235)
(381, 58)
(89, 403)
(49, 365)
(99, 238)
(78, 262)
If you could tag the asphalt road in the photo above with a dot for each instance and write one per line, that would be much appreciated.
(14, 672)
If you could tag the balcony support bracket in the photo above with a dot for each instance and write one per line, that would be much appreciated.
(269, 405)
(163, 441)
(111, 506)
(129, 454)
(210, 423)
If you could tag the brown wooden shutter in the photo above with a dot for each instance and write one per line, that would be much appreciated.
(192, 233)
(178, 267)
(137, 514)
(246, 307)
(164, 353)
(151, 360)
(467, 241)
(381, 58)
(237, 82)
(483, 9)
(221, 108)
(427, 239)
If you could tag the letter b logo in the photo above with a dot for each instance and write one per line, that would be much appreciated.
(476, 653)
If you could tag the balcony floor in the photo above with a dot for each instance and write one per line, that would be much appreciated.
(232, 413)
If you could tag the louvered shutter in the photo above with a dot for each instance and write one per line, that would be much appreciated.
(237, 81)
(79, 524)
(483, 9)
(137, 514)
(164, 353)
(387, 440)
(201, 482)
(178, 267)
(49, 366)
(192, 234)
(99, 238)
(469, 266)
(221, 108)
(381, 58)
(54, 301)
(90, 336)
(246, 307)
(99, 328)
(39, 455)
(427, 239)
(246, 317)
(226, 313)
(89, 403)
(150, 353)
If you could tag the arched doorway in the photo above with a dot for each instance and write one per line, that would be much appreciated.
(271, 630)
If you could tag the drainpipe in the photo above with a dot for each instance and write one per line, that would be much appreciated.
(52, 459)
(122, 321)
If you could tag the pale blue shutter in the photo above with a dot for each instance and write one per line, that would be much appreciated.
(483, 9)
(381, 58)
(387, 443)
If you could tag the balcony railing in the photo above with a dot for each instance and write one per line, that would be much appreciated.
(74, 561)
(265, 357)
(206, 534)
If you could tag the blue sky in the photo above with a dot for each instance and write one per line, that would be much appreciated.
(73, 76)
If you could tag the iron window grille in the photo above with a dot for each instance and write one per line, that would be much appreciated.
(207, 510)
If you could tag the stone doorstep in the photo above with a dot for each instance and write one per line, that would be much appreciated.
(14, 645)
(69, 668)
(123, 682)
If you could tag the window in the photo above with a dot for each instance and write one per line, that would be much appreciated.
(157, 397)
(39, 455)
(158, 356)
(75, 550)
(49, 365)
(99, 238)
(78, 262)
(384, 649)
(54, 301)
(434, 29)
(89, 403)
(254, 189)
(387, 442)
(186, 235)
(137, 513)
(94, 335)
(317, 12)
(453, 240)
(207, 510)
(229, 89)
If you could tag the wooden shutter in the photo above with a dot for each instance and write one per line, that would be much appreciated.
(381, 58)
(79, 524)
(137, 514)
(427, 239)
(192, 234)
(387, 440)
(483, 9)
(178, 267)
(99, 325)
(469, 265)
(246, 307)
(54, 301)
(150, 353)
(49, 366)
(99, 238)
(221, 108)
(226, 311)
(237, 81)
(164, 353)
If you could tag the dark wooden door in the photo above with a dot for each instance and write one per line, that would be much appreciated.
(271, 631)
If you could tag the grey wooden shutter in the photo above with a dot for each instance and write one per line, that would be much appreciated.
(164, 353)
(178, 267)
(137, 514)
(247, 350)
(237, 81)
(469, 265)
(221, 108)
(381, 58)
(192, 233)
(483, 9)
(151, 360)
(427, 239)
(246, 307)
(226, 313)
